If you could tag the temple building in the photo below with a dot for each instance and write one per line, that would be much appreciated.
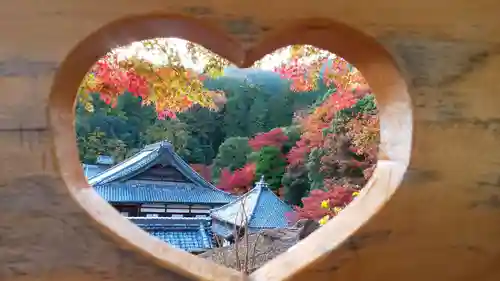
(158, 191)
(102, 163)
(156, 182)
(254, 211)
(193, 235)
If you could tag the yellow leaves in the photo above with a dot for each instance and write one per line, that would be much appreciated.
(177, 89)
(215, 72)
(325, 204)
(167, 72)
(165, 80)
(83, 94)
(296, 50)
(85, 99)
(215, 67)
(324, 220)
(167, 83)
(364, 132)
(88, 106)
(336, 210)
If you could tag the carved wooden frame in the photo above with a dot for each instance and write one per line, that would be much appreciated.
(359, 49)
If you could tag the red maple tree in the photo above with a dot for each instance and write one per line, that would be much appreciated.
(338, 196)
(345, 151)
(276, 137)
(239, 181)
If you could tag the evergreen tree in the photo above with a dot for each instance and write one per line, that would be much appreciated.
(271, 164)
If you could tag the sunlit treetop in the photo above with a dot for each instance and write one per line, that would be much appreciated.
(168, 85)
(169, 74)
(306, 66)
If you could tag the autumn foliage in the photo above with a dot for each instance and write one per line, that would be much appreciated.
(239, 181)
(170, 86)
(276, 138)
(337, 197)
(263, 163)
(337, 149)
(338, 145)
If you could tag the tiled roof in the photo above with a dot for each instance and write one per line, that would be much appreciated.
(189, 234)
(160, 192)
(127, 168)
(105, 160)
(260, 207)
(222, 229)
(93, 170)
(115, 185)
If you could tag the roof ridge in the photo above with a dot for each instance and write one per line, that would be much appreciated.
(153, 154)
(152, 148)
(156, 145)
(265, 188)
(256, 188)
(238, 198)
(120, 166)
(259, 195)
(193, 175)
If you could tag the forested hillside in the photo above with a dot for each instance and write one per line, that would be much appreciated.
(256, 103)
(310, 127)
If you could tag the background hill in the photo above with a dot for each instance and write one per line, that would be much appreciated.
(257, 101)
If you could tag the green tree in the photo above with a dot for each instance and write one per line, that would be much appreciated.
(258, 120)
(258, 101)
(96, 143)
(232, 154)
(296, 184)
(172, 130)
(271, 164)
(237, 111)
(293, 132)
(205, 129)
(197, 153)
(316, 177)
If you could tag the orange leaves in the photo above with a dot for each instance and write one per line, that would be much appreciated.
(322, 117)
(168, 84)
(337, 146)
(341, 100)
(299, 74)
(364, 132)
(304, 72)
(170, 88)
(173, 87)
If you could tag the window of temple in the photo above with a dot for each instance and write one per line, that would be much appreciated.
(178, 208)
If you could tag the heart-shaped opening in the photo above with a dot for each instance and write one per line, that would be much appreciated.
(363, 52)
(280, 148)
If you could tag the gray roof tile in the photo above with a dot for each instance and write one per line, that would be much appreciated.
(189, 234)
(160, 192)
(260, 207)
(115, 184)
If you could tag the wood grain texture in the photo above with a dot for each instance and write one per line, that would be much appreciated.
(441, 223)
